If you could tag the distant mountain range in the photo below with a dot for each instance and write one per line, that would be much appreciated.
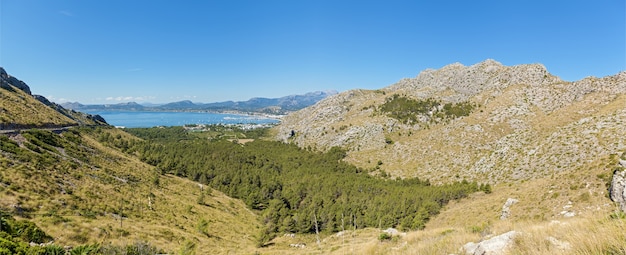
(282, 105)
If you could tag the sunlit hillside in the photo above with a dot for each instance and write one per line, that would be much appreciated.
(81, 191)
(523, 123)
(533, 160)
(17, 109)
(568, 213)
(20, 109)
(551, 145)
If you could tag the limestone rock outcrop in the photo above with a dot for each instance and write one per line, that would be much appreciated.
(618, 188)
(494, 246)
(506, 208)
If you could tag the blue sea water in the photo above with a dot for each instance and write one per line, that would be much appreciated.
(132, 119)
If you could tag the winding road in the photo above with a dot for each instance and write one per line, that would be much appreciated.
(17, 131)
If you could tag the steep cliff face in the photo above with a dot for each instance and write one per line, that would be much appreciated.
(526, 123)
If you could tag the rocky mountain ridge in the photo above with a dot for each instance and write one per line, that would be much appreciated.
(6, 81)
(280, 105)
(528, 123)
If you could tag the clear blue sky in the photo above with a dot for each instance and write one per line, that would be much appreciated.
(206, 51)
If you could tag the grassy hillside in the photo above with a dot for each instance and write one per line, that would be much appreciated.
(19, 109)
(79, 190)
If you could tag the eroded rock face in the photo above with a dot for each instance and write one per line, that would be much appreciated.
(618, 188)
(6, 80)
(528, 124)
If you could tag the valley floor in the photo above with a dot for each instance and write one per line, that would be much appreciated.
(567, 213)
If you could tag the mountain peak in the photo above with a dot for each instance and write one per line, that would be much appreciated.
(502, 110)
(490, 62)
(182, 103)
(474, 79)
(280, 105)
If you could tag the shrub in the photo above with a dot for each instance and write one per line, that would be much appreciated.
(85, 249)
(203, 227)
(29, 232)
(616, 215)
(44, 139)
(486, 188)
(7, 247)
(188, 248)
(8, 145)
(408, 110)
(384, 237)
(139, 248)
(54, 250)
(388, 140)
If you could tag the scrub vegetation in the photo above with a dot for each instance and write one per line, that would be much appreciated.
(413, 111)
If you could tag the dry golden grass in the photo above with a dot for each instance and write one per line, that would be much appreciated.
(596, 234)
(585, 235)
(170, 215)
(17, 107)
(82, 205)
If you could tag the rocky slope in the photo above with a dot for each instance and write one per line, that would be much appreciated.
(6, 81)
(527, 123)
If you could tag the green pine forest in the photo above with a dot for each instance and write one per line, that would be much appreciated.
(292, 189)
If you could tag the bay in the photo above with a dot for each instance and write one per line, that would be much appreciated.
(133, 119)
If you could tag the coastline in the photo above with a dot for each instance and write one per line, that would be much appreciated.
(276, 116)
(133, 119)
